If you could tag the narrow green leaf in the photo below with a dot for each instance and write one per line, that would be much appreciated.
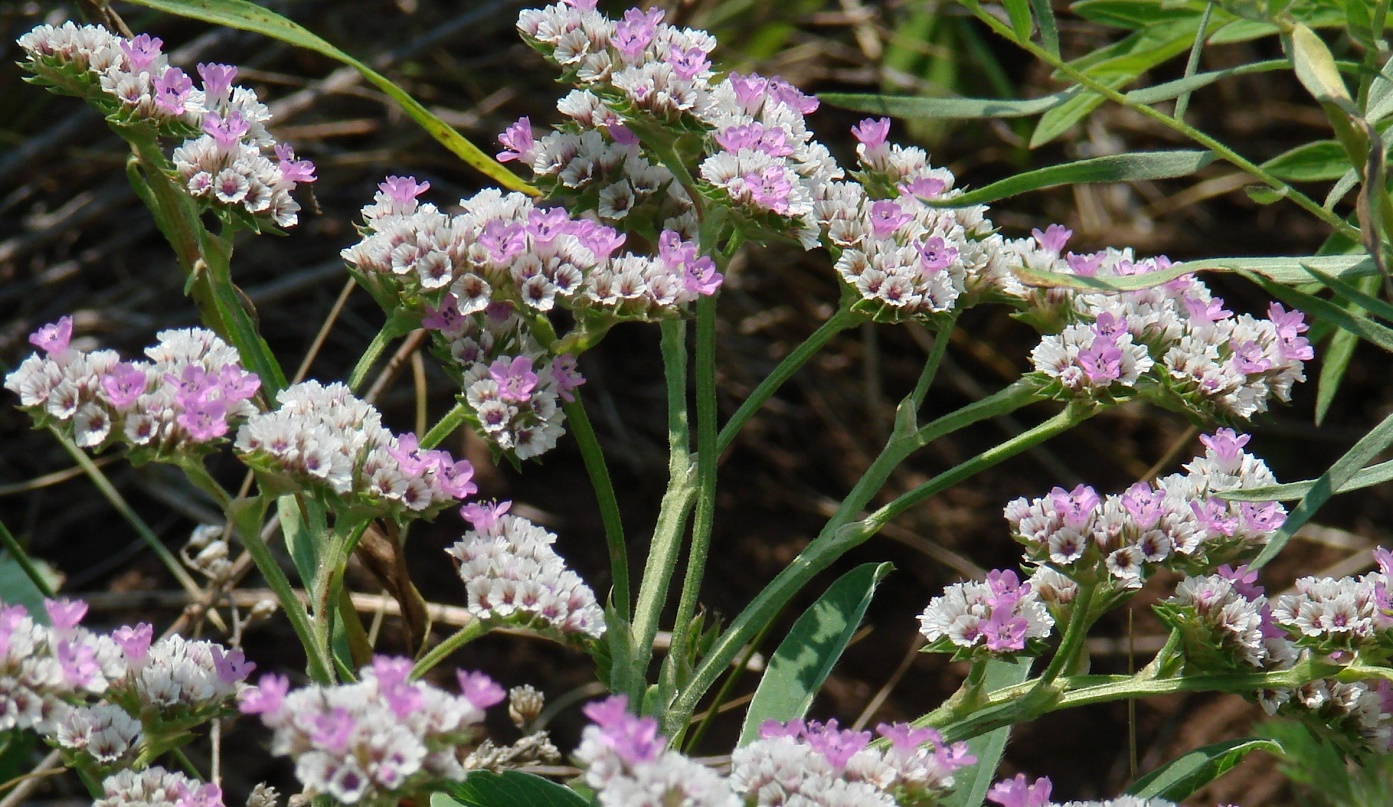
(303, 536)
(806, 656)
(247, 16)
(1084, 283)
(1173, 89)
(1049, 30)
(1320, 161)
(1185, 775)
(1131, 14)
(1289, 270)
(506, 789)
(1361, 297)
(1359, 325)
(1018, 12)
(1380, 101)
(1324, 486)
(1342, 188)
(974, 782)
(1373, 475)
(1133, 167)
(913, 107)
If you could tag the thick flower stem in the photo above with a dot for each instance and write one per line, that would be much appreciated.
(672, 518)
(471, 631)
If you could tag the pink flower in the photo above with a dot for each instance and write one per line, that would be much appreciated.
(515, 379)
(1053, 238)
(479, 689)
(217, 81)
(124, 384)
(634, 739)
(770, 188)
(687, 63)
(872, 133)
(409, 456)
(332, 731)
(266, 697)
(204, 419)
(231, 665)
(634, 33)
(54, 337)
(172, 90)
(923, 187)
(141, 51)
(701, 277)
(456, 479)
(226, 132)
(134, 642)
(935, 256)
(887, 217)
(1018, 792)
(563, 370)
(484, 516)
(293, 170)
(517, 142)
(65, 614)
(1075, 507)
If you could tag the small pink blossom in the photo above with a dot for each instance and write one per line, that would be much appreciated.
(217, 81)
(266, 697)
(484, 516)
(517, 142)
(332, 731)
(204, 419)
(232, 665)
(134, 641)
(872, 132)
(172, 90)
(293, 170)
(887, 217)
(515, 379)
(567, 377)
(64, 613)
(142, 51)
(54, 337)
(456, 479)
(1019, 792)
(226, 132)
(1053, 238)
(124, 384)
(923, 187)
(688, 63)
(935, 256)
(479, 689)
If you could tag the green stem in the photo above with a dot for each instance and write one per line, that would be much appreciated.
(1220, 150)
(791, 363)
(672, 515)
(1073, 414)
(453, 419)
(1075, 634)
(842, 532)
(594, 458)
(21, 557)
(704, 513)
(471, 631)
(1193, 63)
(319, 664)
(942, 334)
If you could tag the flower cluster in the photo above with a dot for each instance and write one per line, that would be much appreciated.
(514, 386)
(795, 763)
(224, 162)
(102, 698)
(513, 576)
(818, 763)
(1021, 792)
(378, 740)
(185, 397)
(756, 153)
(1174, 340)
(157, 787)
(1225, 623)
(1335, 616)
(504, 248)
(326, 438)
(895, 246)
(1177, 522)
(626, 764)
(1000, 615)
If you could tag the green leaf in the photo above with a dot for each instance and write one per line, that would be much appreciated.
(974, 783)
(247, 16)
(806, 656)
(1321, 161)
(1373, 475)
(1085, 283)
(507, 789)
(303, 535)
(1049, 30)
(1133, 167)
(1289, 270)
(17, 589)
(913, 107)
(1185, 775)
(1337, 355)
(1173, 89)
(1018, 12)
(1132, 14)
(1359, 325)
(1117, 66)
(1324, 486)
(1360, 297)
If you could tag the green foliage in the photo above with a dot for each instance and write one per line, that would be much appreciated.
(1324, 775)
(806, 656)
(507, 789)
(1185, 775)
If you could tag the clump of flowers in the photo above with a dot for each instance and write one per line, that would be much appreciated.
(157, 787)
(326, 438)
(182, 401)
(1226, 623)
(1001, 615)
(513, 576)
(376, 741)
(1341, 616)
(1176, 522)
(1021, 792)
(1174, 341)
(228, 160)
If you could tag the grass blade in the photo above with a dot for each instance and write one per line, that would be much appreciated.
(1134, 167)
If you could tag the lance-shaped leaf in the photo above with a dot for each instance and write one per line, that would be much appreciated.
(1373, 475)
(1185, 775)
(1135, 167)
(507, 789)
(806, 656)
(914, 107)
